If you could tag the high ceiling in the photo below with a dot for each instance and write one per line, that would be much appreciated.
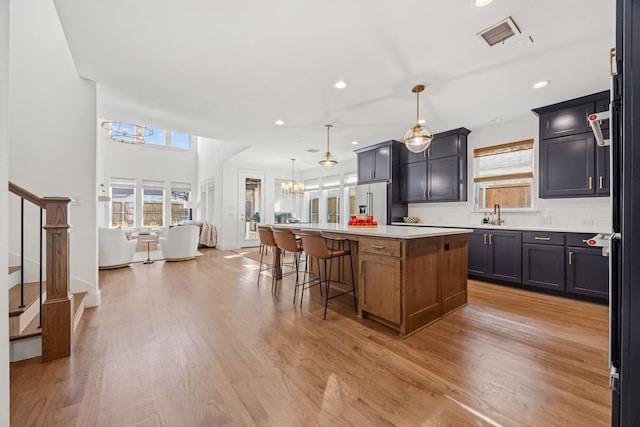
(228, 69)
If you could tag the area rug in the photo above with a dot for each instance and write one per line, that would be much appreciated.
(141, 256)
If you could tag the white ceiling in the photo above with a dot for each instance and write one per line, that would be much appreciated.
(228, 69)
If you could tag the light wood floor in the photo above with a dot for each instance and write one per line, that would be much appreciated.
(197, 343)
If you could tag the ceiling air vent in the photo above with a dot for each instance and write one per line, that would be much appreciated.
(499, 32)
(312, 150)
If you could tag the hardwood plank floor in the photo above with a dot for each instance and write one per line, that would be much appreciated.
(197, 343)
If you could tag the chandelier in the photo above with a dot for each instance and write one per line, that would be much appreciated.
(328, 161)
(418, 138)
(126, 132)
(292, 188)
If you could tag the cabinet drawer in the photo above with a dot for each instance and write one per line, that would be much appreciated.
(579, 239)
(380, 247)
(543, 238)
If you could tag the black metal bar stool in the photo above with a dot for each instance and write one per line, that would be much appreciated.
(327, 248)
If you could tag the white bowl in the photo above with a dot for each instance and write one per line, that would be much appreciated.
(411, 219)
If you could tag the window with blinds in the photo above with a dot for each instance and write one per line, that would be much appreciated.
(180, 196)
(123, 202)
(503, 174)
(152, 203)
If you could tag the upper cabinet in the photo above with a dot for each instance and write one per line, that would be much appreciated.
(438, 174)
(571, 164)
(375, 163)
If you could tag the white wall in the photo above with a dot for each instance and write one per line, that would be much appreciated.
(52, 130)
(145, 162)
(568, 214)
(4, 242)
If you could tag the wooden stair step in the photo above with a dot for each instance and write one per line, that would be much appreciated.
(78, 308)
(31, 330)
(31, 295)
(13, 268)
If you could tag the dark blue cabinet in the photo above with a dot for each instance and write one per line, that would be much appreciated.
(587, 272)
(375, 162)
(495, 254)
(439, 174)
(543, 266)
(571, 164)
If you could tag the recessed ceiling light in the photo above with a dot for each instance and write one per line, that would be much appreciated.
(496, 120)
(422, 121)
(279, 122)
(540, 84)
(340, 84)
(482, 3)
(354, 142)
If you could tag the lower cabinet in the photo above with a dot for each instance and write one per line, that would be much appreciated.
(587, 272)
(496, 254)
(562, 262)
(543, 266)
(381, 296)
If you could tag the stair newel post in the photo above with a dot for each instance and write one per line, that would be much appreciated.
(57, 309)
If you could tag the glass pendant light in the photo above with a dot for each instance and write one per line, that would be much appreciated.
(328, 161)
(418, 138)
(292, 188)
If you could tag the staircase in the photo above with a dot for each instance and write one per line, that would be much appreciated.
(25, 331)
(40, 326)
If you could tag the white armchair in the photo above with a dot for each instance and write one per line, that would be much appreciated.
(181, 243)
(114, 250)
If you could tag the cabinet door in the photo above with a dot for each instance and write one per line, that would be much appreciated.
(567, 166)
(444, 179)
(443, 147)
(380, 283)
(410, 157)
(543, 266)
(602, 181)
(569, 121)
(382, 164)
(414, 182)
(505, 255)
(478, 244)
(587, 272)
(365, 166)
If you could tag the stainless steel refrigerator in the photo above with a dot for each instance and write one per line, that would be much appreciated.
(374, 200)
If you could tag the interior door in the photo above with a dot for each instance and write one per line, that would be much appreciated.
(250, 206)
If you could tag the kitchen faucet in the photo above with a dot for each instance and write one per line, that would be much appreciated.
(499, 221)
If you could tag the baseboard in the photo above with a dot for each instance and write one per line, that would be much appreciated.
(93, 294)
(25, 348)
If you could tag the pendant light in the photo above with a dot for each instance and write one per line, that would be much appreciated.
(291, 188)
(418, 138)
(328, 161)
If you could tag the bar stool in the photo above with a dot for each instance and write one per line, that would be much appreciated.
(287, 241)
(327, 248)
(266, 241)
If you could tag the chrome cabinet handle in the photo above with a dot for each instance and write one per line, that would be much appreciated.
(601, 182)
(570, 257)
(485, 239)
(491, 239)
(590, 183)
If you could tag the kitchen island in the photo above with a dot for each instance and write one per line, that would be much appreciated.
(406, 277)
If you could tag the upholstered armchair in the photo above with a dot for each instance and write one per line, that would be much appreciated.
(181, 243)
(114, 250)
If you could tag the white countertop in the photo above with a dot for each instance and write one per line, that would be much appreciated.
(392, 231)
(507, 227)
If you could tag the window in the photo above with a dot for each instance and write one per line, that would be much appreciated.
(156, 138)
(312, 199)
(152, 203)
(180, 197)
(503, 174)
(123, 199)
(331, 194)
(179, 140)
